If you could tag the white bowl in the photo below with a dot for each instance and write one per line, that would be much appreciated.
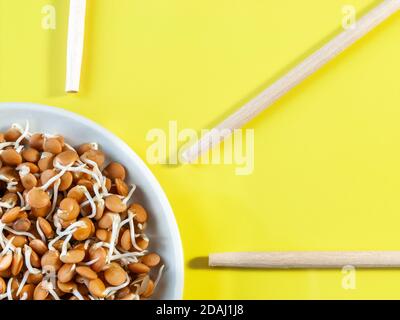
(162, 230)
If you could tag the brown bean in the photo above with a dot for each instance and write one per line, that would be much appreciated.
(97, 288)
(108, 184)
(33, 168)
(86, 272)
(34, 278)
(84, 147)
(22, 215)
(61, 140)
(88, 184)
(139, 212)
(84, 232)
(103, 235)
(46, 175)
(151, 259)
(80, 246)
(100, 254)
(22, 224)
(38, 246)
(66, 158)
(11, 215)
(106, 221)
(58, 245)
(94, 155)
(35, 260)
(51, 261)
(66, 181)
(126, 242)
(122, 187)
(41, 212)
(30, 155)
(77, 194)
(142, 243)
(5, 261)
(27, 291)
(66, 273)
(123, 293)
(52, 145)
(66, 223)
(36, 141)
(67, 287)
(46, 162)
(29, 181)
(115, 204)
(149, 290)
(11, 157)
(69, 209)
(18, 241)
(12, 135)
(11, 198)
(9, 173)
(115, 170)
(17, 262)
(37, 198)
(73, 256)
(40, 293)
(46, 228)
(115, 275)
(138, 268)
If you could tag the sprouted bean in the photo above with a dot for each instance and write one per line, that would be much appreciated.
(69, 229)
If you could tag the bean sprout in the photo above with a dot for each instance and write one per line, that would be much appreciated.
(39, 230)
(125, 201)
(20, 233)
(9, 289)
(114, 235)
(55, 196)
(24, 135)
(23, 281)
(28, 252)
(132, 232)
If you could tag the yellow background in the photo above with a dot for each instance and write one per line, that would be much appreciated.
(327, 155)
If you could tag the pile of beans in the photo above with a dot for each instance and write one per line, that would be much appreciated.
(68, 227)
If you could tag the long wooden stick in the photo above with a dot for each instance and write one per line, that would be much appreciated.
(309, 66)
(306, 259)
(76, 31)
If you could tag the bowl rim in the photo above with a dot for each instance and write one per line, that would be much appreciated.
(172, 223)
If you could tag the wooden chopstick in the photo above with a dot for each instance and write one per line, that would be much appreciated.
(76, 31)
(309, 66)
(306, 259)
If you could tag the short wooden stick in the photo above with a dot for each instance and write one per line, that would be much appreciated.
(309, 66)
(306, 259)
(76, 31)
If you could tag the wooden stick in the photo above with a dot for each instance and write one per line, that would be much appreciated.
(76, 31)
(306, 259)
(309, 66)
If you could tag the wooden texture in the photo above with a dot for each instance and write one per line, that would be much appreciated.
(306, 259)
(76, 31)
(309, 66)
